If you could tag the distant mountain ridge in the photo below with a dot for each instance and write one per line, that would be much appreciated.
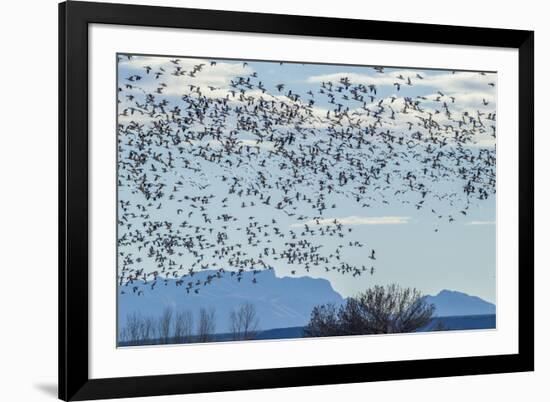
(280, 302)
(452, 303)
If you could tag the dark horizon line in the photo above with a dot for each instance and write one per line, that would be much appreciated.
(157, 341)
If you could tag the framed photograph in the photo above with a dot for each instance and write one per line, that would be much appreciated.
(258, 201)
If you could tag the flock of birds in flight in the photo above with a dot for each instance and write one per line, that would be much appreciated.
(186, 163)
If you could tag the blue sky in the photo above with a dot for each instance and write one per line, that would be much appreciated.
(460, 255)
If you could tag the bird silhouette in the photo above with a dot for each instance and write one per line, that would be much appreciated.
(241, 176)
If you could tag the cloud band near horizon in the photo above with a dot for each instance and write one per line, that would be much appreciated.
(357, 220)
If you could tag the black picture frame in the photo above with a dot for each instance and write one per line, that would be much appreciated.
(74, 18)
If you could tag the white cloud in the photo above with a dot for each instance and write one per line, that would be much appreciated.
(139, 62)
(445, 81)
(262, 144)
(217, 76)
(481, 223)
(478, 142)
(214, 82)
(357, 220)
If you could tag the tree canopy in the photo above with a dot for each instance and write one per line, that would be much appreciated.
(378, 310)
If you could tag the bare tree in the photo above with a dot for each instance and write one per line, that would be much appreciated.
(323, 322)
(165, 324)
(207, 325)
(138, 330)
(394, 309)
(244, 322)
(183, 327)
(379, 310)
(147, 330)
(131, 332)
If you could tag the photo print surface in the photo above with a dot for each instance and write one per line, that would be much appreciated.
(265, 200)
